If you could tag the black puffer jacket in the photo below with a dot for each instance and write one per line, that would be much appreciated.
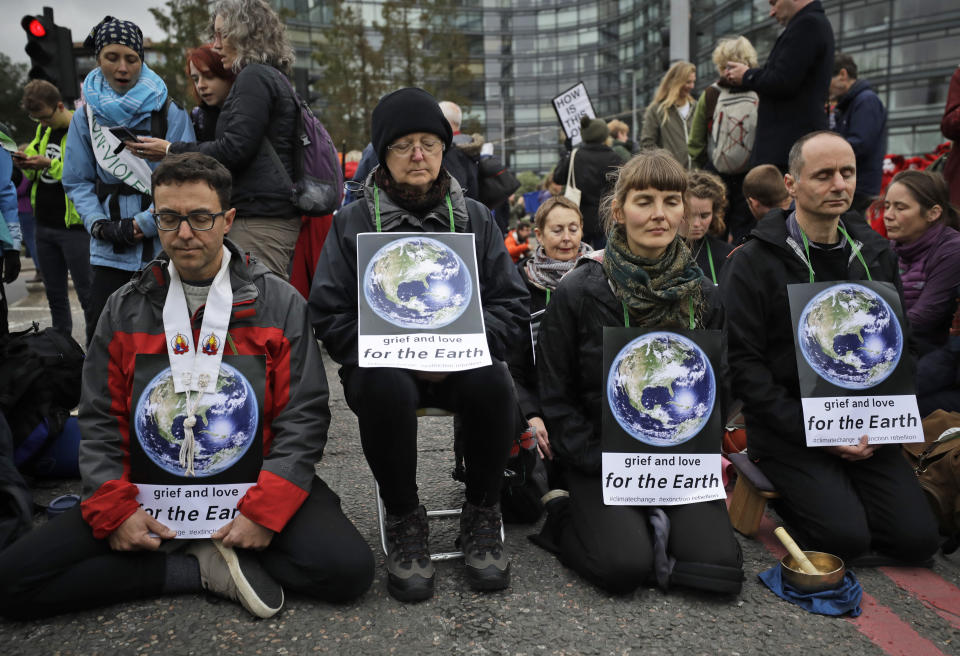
(570, 360)
(259, 104)
(760, 332)
(333, 297)
(592, 169)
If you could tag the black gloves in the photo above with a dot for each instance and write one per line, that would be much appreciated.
(116, 231)
(10, 265)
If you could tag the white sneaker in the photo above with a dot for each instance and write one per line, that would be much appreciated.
(237, 575)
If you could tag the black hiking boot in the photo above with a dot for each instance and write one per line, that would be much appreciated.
(409, 568)
(483, 553)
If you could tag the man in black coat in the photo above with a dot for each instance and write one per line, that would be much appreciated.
(793, 84)
(593, 165)
(845, 500)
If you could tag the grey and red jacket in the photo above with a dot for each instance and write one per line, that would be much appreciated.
(269, 318)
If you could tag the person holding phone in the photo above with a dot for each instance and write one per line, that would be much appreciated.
(260, 112)
(111, 190)
(62, 243)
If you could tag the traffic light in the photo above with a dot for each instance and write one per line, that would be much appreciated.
(50, 48)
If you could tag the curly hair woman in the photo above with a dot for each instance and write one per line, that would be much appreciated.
(259, 115)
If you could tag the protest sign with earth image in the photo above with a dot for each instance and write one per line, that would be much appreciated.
(660, 427)
(418, 302)
(228, 450)
(856, 377)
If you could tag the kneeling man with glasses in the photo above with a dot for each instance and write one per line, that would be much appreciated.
(198, 300)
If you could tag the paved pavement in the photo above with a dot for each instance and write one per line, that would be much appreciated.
(547, 610)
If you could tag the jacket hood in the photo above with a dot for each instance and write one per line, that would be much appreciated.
(244, 270)
(470, 148)
(858, 87)
(772, 229)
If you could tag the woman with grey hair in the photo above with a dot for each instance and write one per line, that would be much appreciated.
(257, 125)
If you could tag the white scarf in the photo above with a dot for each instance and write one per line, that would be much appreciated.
(198, 371)
(124, 166)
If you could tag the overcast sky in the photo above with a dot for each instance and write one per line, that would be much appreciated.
(79, 15)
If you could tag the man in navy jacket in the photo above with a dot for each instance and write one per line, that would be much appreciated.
(862, 120)
(793, 84)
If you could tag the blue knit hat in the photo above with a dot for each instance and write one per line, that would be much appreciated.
(113, 30)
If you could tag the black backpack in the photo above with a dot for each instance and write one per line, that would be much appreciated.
(40, 374)
(497, 182)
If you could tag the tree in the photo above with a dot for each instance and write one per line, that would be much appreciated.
(13, 77)
(186, 23)
(352, 78)
(446, 59)
(403, 32)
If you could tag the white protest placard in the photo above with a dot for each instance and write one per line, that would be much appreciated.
(854, 369)
(418, 302)
(570, 105)
(228, 436)
(193, 511)
(660, 423)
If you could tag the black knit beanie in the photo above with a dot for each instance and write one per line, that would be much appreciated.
(405, 111)
(593, 130)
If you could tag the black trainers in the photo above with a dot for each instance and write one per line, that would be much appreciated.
(409, 568)
(236, 574)
(483, 553)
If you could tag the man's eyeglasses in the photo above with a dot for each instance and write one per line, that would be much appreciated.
(37, 119)
(427, 147)
(196, 220)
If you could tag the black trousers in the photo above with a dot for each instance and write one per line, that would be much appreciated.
(386, 401)
(60, 567)
(612, 546)
(848, 508)
(105, 281)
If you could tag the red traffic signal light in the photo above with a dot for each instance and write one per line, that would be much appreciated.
(36, 28)
(50, 48)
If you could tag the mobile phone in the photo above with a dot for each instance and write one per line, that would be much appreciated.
(123, 133)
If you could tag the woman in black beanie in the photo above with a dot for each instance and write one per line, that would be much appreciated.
(411, 192)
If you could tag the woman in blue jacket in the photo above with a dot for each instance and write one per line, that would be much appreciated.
(111, 188)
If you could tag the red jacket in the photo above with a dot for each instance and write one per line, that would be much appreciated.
(514, 247)
(269, 318)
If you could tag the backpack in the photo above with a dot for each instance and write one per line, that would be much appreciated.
(317, 184)
(936, 463)
(733, 129)
(40, 376)
(497, 182)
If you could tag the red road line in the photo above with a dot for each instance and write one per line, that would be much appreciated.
(878, 623)
(937, 594)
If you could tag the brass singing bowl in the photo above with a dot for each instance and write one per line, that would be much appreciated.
(831, 568)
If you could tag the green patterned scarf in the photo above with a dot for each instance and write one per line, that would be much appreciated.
(654, 291)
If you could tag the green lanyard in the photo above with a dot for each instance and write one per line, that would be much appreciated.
(713, 274)
(376, 209)
(626, 315)
(856, 251)
(548, 296)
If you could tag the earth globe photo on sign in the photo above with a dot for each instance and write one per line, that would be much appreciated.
(418, 283)
(661, 389)
(226, 422)
(850, 336)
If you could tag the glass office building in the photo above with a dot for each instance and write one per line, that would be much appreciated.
(525, 52)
